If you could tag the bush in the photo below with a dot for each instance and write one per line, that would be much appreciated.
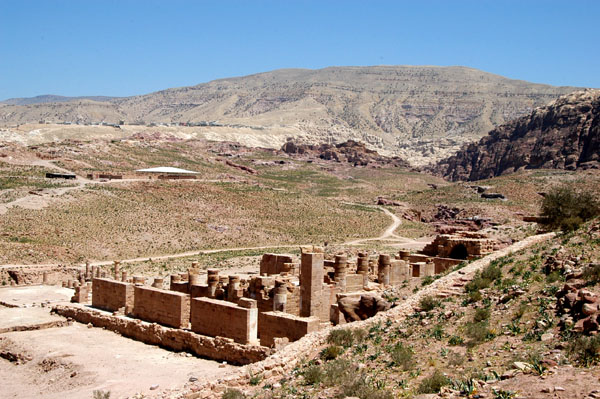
(313, 375)
(233, 394)
(101, 394)
(585, 350)
(455, 340)
(592, 273)
(433, 383)
(341, 337)
(336, 372)
(360, 387)
(402, 356)
(428, 303)
(481, 314)
(331, 352)
(478, 332)
(566, 209)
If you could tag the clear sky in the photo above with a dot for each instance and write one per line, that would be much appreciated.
(127, 47)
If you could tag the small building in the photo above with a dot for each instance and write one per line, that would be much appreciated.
(168, 172)
(51, 175)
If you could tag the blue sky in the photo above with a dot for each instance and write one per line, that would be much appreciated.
(127, 47)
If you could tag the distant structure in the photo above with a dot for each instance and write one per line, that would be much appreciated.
(168, 172)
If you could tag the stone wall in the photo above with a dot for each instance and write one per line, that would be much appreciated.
(111, 295)
(273, 325)
(162, 306)
(220, 349)
(27, 275)
(217, 318)
(274, 264)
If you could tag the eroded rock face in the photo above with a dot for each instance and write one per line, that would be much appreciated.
(350, 151)
(357, 308)
(562, 135)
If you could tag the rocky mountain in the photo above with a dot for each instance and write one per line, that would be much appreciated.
(51, 98)
(565, 134)
(422, 113)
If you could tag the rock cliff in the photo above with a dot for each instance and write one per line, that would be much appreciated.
(565, 134)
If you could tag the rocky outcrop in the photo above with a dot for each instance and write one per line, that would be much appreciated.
(562, 135)
(361, 308)
(350, 151)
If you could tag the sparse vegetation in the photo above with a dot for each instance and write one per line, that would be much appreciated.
(565, 208)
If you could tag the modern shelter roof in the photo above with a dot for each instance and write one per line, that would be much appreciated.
(167, 169)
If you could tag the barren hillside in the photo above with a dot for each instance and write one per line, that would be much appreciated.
(422, 113)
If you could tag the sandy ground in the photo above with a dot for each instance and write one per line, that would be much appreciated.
(74, 360)
(34, 295)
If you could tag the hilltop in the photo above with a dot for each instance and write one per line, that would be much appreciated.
(565, 134)
(421, 113)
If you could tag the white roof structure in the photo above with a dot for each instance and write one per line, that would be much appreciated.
(167, 169)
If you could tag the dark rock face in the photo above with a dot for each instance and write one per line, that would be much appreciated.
(363, 307)
(350, 151)
(562, 135)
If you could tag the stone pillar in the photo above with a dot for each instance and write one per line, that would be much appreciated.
(311, 284)
(158, 282)
(88, 271)
(124, 276)
(194, 279)
(280, 296)
(404, 255)
(212, 280)
(362, 264)
(116, 269)
(45, 277)
(233, 288)
(340, 267)
(139, 280)
(383, 269)
(82, 277)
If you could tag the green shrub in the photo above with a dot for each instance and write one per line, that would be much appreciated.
(456, 340)
(402, 356)
(481, 314)
(336, 372)
(341, 337)
(99, 394)
(564, 208)
(313, 375)
(361, 388)
(233, 394)
(433, 383)
(592, 273)
(428, 303)
(478, 332)
(585, 350)
(331, 352)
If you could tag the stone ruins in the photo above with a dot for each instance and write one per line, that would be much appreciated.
(243, 320)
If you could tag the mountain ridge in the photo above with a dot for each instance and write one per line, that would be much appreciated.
(421, 113)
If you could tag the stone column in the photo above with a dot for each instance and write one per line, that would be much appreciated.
(383, 269)
(88, 271)
(116, 267)
(124, 276)
(311, 284)
(404, 255)
(340, 267)
(212, 280)
(232, 288)
(45, 278)
(194, 279)
(139, 280)
(429, 268)
(362, 264)
(158, 282)
(280, 296)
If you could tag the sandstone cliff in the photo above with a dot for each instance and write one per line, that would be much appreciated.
(562, 135)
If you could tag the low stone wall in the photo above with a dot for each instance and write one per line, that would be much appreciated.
(221, 349)
(215, 317)
(111, 295)
(273, 325)
(162, 306)
(30, 275)
(274, 263)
